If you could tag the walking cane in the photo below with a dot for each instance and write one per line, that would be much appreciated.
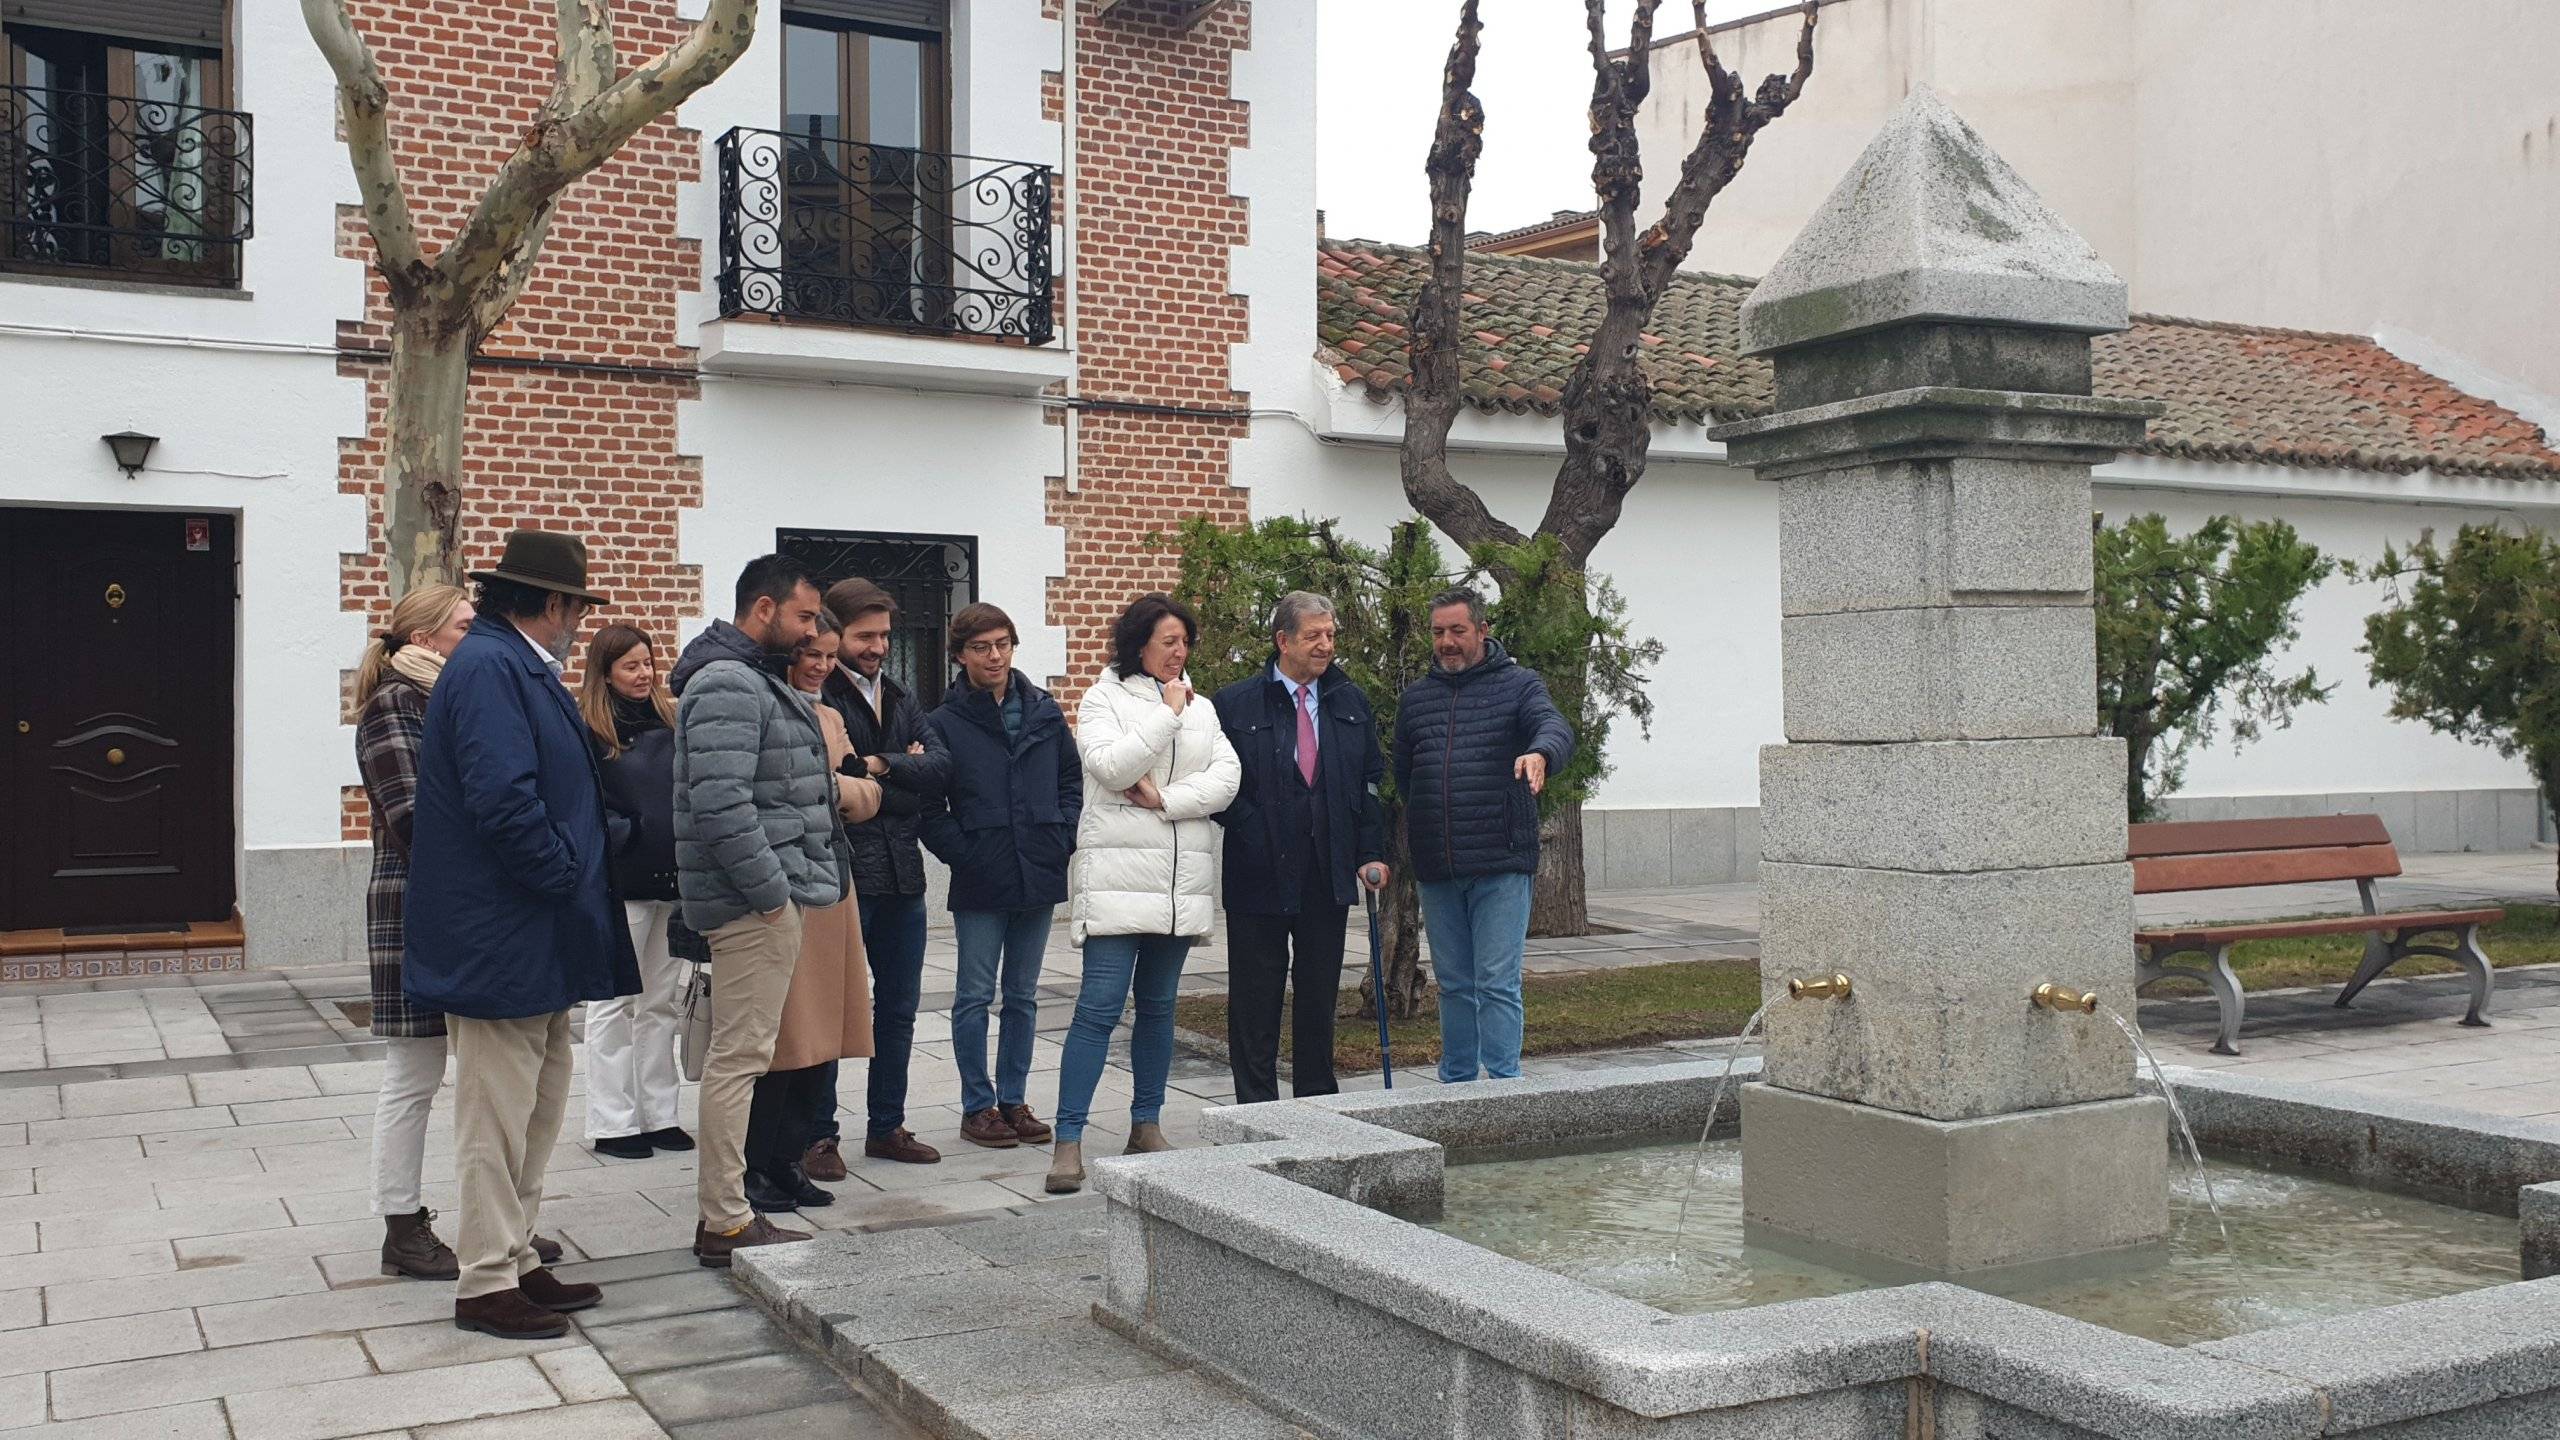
(1378, 986)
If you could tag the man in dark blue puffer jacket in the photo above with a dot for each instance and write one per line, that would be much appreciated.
(1475, 741)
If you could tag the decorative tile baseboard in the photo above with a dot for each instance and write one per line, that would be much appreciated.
(121, 964)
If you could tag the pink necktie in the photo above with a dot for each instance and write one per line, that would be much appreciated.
(1307, 736)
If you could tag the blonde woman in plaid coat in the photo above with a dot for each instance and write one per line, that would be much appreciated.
(398, 672)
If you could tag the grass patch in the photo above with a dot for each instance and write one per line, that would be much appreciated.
(2530, 935)
(1693, 999)
(1567, 1014)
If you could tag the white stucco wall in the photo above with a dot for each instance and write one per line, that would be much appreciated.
(2330, 164)
(1696, 557)
(242, 389)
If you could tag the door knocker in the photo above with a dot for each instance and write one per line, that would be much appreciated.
(115, 597)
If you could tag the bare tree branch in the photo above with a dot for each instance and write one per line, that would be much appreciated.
(1432, 398)
(563, 147)
(1608, 402)
(587, 66)
(1723, 144)
(364, 106)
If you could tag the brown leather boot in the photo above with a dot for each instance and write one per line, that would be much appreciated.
(410, 1247)
(546, 1250)
(712, 1249)
(823, 1161)
(987, 1127)
(902, 1146)
(509, 1315)
(555, 1294)
(1027, 1127)
(1146, 1138)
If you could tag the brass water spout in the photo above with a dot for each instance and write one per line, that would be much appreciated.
(2057, 997)
(1825, 987)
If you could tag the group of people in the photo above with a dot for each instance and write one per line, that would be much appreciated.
(762, 806)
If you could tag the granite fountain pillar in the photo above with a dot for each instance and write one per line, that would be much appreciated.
(1944, 826)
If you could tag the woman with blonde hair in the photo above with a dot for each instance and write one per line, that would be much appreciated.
(631, 1039)
(393, 681)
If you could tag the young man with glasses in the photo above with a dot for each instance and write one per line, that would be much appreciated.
(1005, 824)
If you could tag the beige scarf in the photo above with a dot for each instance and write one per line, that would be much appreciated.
(419, 663)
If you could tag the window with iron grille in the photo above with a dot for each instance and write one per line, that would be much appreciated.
(115, 152)
(930, 576)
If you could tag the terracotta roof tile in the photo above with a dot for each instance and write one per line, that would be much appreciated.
(2244, 393)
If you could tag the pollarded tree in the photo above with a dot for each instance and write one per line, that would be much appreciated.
(2185, 626)
(2470, 642)
(1608, 402)
(444, 305)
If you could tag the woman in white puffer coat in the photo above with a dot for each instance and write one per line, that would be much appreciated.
(1144, 882)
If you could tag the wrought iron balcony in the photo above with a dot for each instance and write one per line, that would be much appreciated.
(851, 234)
(152, 189)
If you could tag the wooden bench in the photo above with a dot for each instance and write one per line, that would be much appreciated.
(2235, 854)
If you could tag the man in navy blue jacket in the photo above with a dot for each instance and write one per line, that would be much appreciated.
(1305, 830)
(1475, 742)
(512, 915)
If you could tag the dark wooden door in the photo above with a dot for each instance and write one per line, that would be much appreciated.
(116, 718)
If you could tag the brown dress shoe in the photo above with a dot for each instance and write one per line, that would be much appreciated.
(823, 1161)
(987, 1127)
(410, 1247)
(902, 1146)
(509, 1315)
(555, 1294)
(1027, 1127)
(546, 1250)
(712, 1249)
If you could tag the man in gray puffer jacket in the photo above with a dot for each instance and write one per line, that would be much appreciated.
(755, 824)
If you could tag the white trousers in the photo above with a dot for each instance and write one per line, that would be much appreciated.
(411, 1071)
(631, 1039)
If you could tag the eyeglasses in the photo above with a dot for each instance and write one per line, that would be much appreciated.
(988, 649)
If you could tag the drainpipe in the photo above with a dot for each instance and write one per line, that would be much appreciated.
(1070, 248)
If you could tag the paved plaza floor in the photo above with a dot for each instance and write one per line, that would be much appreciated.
(185, 1248)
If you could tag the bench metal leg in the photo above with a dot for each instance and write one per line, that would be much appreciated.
(2381, 954)
(2216, 975)
(2468, 954)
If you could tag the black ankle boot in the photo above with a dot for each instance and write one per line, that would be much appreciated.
(766, 1198)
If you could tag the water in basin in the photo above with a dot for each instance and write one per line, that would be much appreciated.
(2300, 1248)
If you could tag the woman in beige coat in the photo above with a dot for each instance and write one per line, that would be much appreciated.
(826, 1016)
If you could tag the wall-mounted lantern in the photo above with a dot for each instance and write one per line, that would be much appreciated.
(131, 448)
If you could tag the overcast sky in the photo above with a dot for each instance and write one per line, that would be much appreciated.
(1378, 93)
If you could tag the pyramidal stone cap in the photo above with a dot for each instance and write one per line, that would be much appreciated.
(1930, 224)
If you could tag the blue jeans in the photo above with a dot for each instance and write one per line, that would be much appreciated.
(893, 938)
(1478, 927)
(993, 941)
(1115, 966)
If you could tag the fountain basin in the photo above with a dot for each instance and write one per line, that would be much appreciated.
(1296, 1260)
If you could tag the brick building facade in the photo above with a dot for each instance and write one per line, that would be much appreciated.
(573, 420)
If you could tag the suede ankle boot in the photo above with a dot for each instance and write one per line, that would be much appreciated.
(1066, 1168)
(1146, 1138)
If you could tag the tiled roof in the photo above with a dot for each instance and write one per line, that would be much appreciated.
(2249, 394)
(1561, 220)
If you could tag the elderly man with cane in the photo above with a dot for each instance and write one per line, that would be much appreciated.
(1305, 833)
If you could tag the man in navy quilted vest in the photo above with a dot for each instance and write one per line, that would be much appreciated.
(1475, 742)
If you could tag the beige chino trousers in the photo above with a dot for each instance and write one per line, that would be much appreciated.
(509, 1093)
(751, 963)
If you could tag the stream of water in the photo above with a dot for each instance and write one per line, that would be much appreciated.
(1715, 1107)
(2177, 1112)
